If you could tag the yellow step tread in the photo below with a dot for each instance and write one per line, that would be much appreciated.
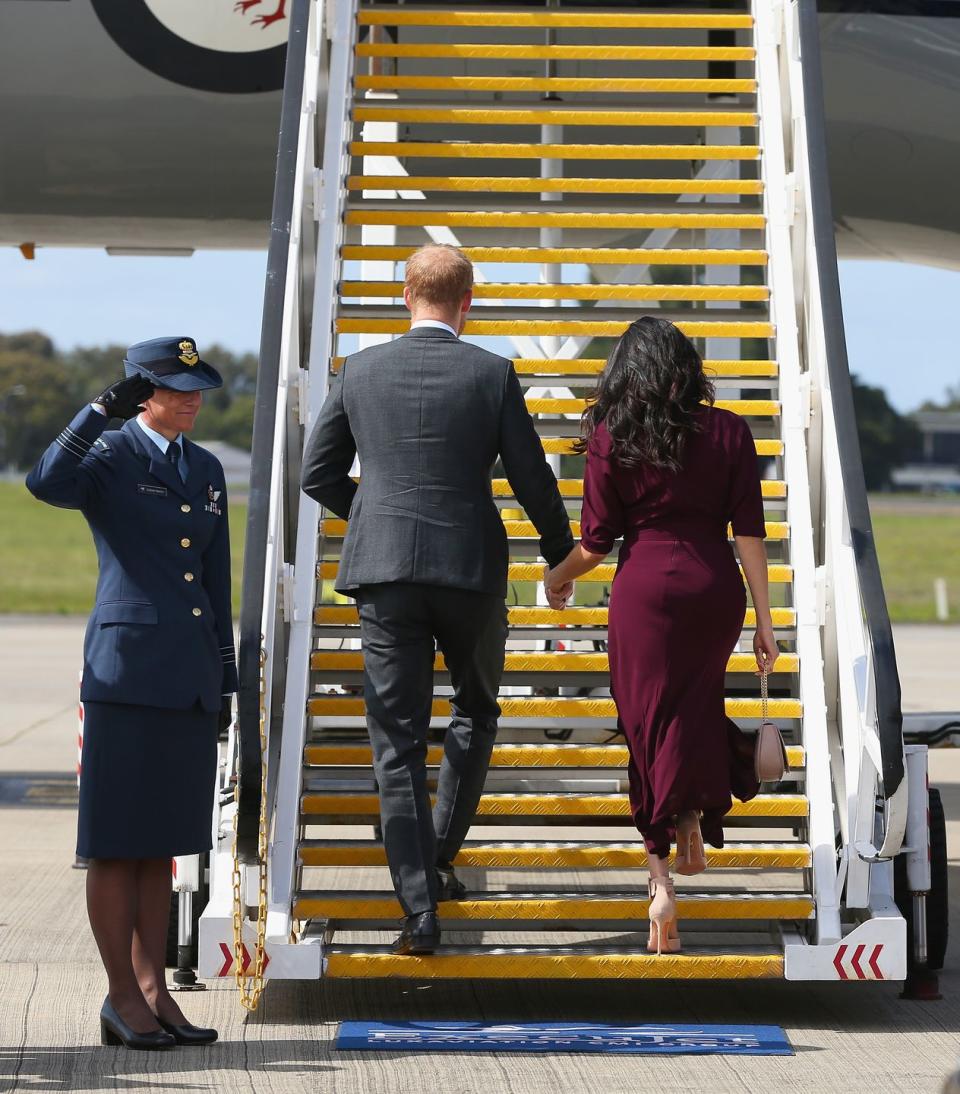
(550, 805)
(515, 115)
(568, 855)
(463, 218)
(522, 964)
(507, 755)
(396, 17)
(575, 328)
(565, 907)
(777, 573)
(352, 661)
(564, 446)
(549, 707)
(620, 256)
(637, 85)
(499, 290)
(759, 408)
(334, 614)
(487, 150)
(573, 488)
(334, 528)
(489, 51)
(513, 184)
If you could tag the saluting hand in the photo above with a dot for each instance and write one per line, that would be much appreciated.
(123, 399)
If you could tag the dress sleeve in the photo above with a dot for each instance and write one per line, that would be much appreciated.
(745, 509)
(602, 520)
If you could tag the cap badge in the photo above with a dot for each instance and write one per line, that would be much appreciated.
(188, 354)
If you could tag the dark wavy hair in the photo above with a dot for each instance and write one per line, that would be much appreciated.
(647, 395)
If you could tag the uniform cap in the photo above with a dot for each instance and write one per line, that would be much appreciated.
(172, 363)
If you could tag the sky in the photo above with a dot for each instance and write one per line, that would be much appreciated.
(86, 297)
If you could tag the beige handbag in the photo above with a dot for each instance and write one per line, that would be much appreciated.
(769, 756)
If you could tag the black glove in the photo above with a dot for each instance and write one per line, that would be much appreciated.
(225, 717)
(123, 399)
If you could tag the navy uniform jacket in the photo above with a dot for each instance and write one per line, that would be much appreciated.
(161, 631)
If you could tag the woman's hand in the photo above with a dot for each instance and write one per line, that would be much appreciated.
(765, 649)
(557, 594)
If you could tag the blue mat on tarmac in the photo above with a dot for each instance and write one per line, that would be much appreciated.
(648, 1039)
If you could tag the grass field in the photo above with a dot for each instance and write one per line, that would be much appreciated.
(47, 561)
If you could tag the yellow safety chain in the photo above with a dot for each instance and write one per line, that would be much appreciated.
(250, 985)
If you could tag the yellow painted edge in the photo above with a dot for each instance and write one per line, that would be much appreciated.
(570, 908)
(628, 856)
(334, 528)
(526, 150)
(528, 617)
(652, 256)
(509, 115)
(393, 290)
(777, 574)
(548, 707)
(487, 219)
(746, 407)
(550, 805)
(717, 329)
(556, 52)
(397, 17)
(512, 755)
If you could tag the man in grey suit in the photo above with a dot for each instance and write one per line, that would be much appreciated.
(425, 555)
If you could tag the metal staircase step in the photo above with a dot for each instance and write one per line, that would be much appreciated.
(369, 324)
(777, 574)
(518, 185)
(596, 221)
(488, 150)
(573, 488)
(510, 51)
(504, 755)
(394, 17)
(570, 855)
(537, 662)
(551, 115)
(334, 528)
(563, 445)
(504, 291)
(572, 911)
(599, 256)
(553, 963)
(342, 808)
(557, 707)
(340, 614)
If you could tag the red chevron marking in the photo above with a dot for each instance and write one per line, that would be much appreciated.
(873, 962)
(858, 953)
(837, 963)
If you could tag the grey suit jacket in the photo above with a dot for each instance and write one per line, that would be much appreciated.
(429, 415)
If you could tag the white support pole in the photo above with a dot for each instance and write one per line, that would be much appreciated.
(286, 827)
(768, 39)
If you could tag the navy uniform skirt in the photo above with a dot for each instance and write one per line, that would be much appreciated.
(146, 781)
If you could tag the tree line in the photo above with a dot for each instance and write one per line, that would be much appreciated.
(42, 387)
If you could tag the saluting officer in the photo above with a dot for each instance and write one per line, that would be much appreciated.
(159, 664)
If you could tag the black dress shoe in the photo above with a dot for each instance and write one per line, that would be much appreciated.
(188, 1034)
(449, 886)
(420, 934)
(115, 1031)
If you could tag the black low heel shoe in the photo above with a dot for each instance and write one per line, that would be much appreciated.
(188, 1034)
(115, 1031)
(420, 934)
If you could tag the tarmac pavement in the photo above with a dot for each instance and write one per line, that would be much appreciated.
(849, 1038)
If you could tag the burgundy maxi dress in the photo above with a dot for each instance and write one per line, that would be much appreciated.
(676, 612)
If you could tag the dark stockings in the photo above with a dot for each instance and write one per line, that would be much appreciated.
(128, 902)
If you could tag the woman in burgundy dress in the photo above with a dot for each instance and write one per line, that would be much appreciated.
(668, 474)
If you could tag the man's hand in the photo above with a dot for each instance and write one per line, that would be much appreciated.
(225, 717)
(557, 595)
(123, 399)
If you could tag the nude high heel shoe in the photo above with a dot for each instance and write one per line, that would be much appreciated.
(664, 937)
(691, 856)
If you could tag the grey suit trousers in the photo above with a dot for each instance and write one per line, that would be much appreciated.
(401, 625)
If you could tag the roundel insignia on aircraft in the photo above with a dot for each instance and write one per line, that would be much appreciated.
(236, 46)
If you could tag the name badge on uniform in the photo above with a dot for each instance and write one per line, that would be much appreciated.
(213, 496)
(154, 491)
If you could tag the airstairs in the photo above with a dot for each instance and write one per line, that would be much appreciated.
(595, 164)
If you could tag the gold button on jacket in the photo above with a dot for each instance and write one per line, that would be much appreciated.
(188, 576)
(196, 611)
(185, 542)
(184, 508)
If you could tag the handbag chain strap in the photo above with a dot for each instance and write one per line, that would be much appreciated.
(764, 697)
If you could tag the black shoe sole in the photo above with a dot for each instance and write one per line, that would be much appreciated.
(417, 949)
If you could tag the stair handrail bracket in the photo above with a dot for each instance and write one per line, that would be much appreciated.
(330, 190)
(860, 671)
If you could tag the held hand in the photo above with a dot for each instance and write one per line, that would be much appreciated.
(765, 649)
(557, 595)
(123, 399)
